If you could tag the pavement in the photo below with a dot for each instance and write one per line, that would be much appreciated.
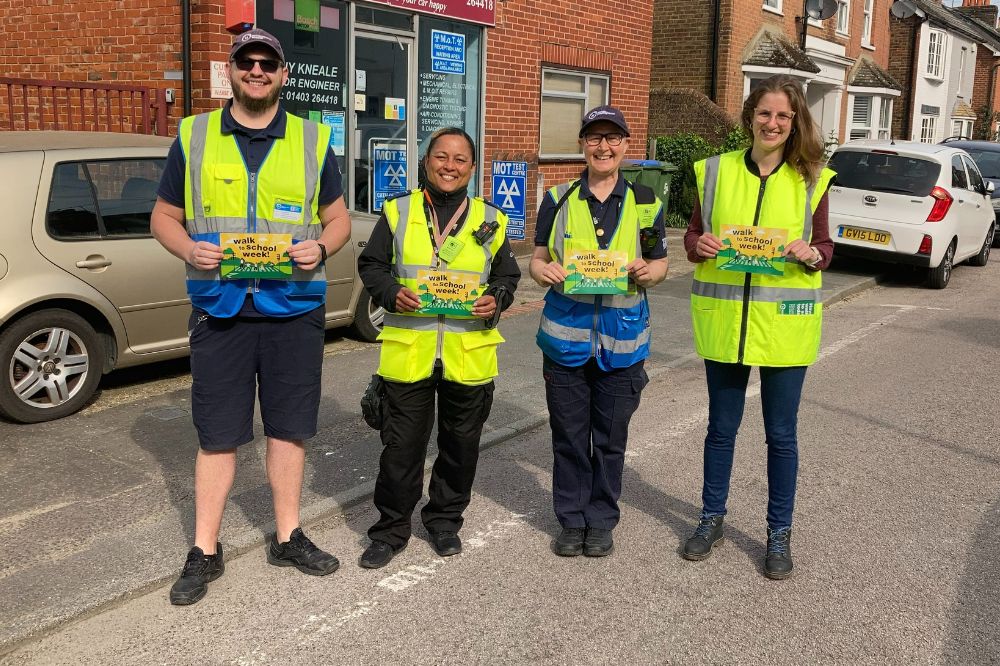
(98, 507)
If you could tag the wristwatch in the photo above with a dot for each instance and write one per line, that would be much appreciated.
(322, 251)
(812, 263)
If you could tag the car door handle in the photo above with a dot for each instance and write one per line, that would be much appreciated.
(94, 261)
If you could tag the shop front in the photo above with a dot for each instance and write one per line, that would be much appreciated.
(383, 76)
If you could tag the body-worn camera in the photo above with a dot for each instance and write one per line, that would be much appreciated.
(371, 402)
(484, 234)
(648, 238)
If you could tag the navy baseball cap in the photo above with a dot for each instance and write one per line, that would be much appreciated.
(607, 113)
(256, 36)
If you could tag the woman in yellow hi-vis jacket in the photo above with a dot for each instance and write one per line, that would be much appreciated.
(769, 317)
(434, 251)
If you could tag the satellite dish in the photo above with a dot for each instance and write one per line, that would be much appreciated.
(902, 9)
(819, 10)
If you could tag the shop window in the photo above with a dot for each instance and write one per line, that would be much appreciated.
(449, 80)
(383, 18)
(566, 96)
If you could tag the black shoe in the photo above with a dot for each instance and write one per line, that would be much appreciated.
(446, 543)
(378, 554)
(569, 543)
(598, 542)
(706, 537)
(778, 561)
(301, 553)
(199, 570)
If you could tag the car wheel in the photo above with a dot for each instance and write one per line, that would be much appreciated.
(996, 235)
(52, 362)
(984, 252)
(367, 319)
(939, 276)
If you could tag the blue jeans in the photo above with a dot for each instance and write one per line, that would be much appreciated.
(780, 391)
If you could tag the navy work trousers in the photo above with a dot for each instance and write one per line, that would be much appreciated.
(589, 411)
(780, 392)
(409, 417)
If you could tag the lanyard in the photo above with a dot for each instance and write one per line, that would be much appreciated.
(439, 236)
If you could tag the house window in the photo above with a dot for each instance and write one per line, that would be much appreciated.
(843, 16)
(962, 128)
(773, 4)
(928, 126)
(884, 117)
(566, 96)
(866, 28)
(935, 51)
(861, 118)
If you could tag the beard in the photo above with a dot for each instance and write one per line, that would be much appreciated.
(255, 104)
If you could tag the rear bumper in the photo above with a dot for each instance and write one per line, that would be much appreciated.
(884, 256)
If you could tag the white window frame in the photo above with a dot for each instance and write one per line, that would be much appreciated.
(935, 54)
(928, 128)
(857, 130)
(562, 94)
(962, 127)
(885, 118)
(844, 17)
(866, 26)
(772, 6)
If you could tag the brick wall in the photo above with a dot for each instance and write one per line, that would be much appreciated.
(129, 42)
(902, 44)
(682, 45)
(611, 36)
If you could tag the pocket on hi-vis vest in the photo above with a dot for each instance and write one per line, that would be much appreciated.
(287, 211)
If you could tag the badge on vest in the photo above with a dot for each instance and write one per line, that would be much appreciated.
(255, 256)
(450, 249)
(287, 211)
(797, 307)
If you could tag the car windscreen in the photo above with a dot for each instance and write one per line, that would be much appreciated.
(883, 172)
(988, 161)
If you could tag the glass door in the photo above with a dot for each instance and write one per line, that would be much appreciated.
(383, 119)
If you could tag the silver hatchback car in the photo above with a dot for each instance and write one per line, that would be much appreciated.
(84, 287)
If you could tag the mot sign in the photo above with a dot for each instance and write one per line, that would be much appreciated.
(510, 180)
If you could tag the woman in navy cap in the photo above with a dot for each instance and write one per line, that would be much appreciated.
(599, 244)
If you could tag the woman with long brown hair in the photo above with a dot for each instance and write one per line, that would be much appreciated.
(758, 301)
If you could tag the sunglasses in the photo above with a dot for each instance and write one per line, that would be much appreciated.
(267, 65)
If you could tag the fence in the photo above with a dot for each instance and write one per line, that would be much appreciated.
(30, 104)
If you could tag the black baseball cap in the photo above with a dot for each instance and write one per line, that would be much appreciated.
(257, 36)
(607, 113)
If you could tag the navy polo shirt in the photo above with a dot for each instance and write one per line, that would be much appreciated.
(605, 215)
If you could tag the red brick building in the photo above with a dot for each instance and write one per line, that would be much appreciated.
(517, 75)
(707, 56)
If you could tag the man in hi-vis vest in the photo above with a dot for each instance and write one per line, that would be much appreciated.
(600, 243)
(251, 200)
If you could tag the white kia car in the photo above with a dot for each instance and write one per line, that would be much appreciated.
(910, 203)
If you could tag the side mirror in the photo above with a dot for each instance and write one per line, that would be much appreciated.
(989, 187)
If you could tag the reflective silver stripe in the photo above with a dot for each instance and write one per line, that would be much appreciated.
(489, 215)
(310, 137)
(807, 226)
(410, 271)
(199, 136)
(711, 180)
(562, 332)
(418, 323)
(624, 346)
(403, 207)
(559, 224)
(732, 292)
(608, 300)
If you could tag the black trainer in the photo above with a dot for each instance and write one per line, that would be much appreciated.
(598, 542)
(706, 537)
(569, 543)
(446, 543)
(378, 554)
(301, 553)
(199, 570)
(778, 561)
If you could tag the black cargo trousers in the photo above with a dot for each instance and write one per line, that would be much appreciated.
(409, 418)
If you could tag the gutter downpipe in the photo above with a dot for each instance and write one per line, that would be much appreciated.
(717, 21)
(989, 101)
(186, 53)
